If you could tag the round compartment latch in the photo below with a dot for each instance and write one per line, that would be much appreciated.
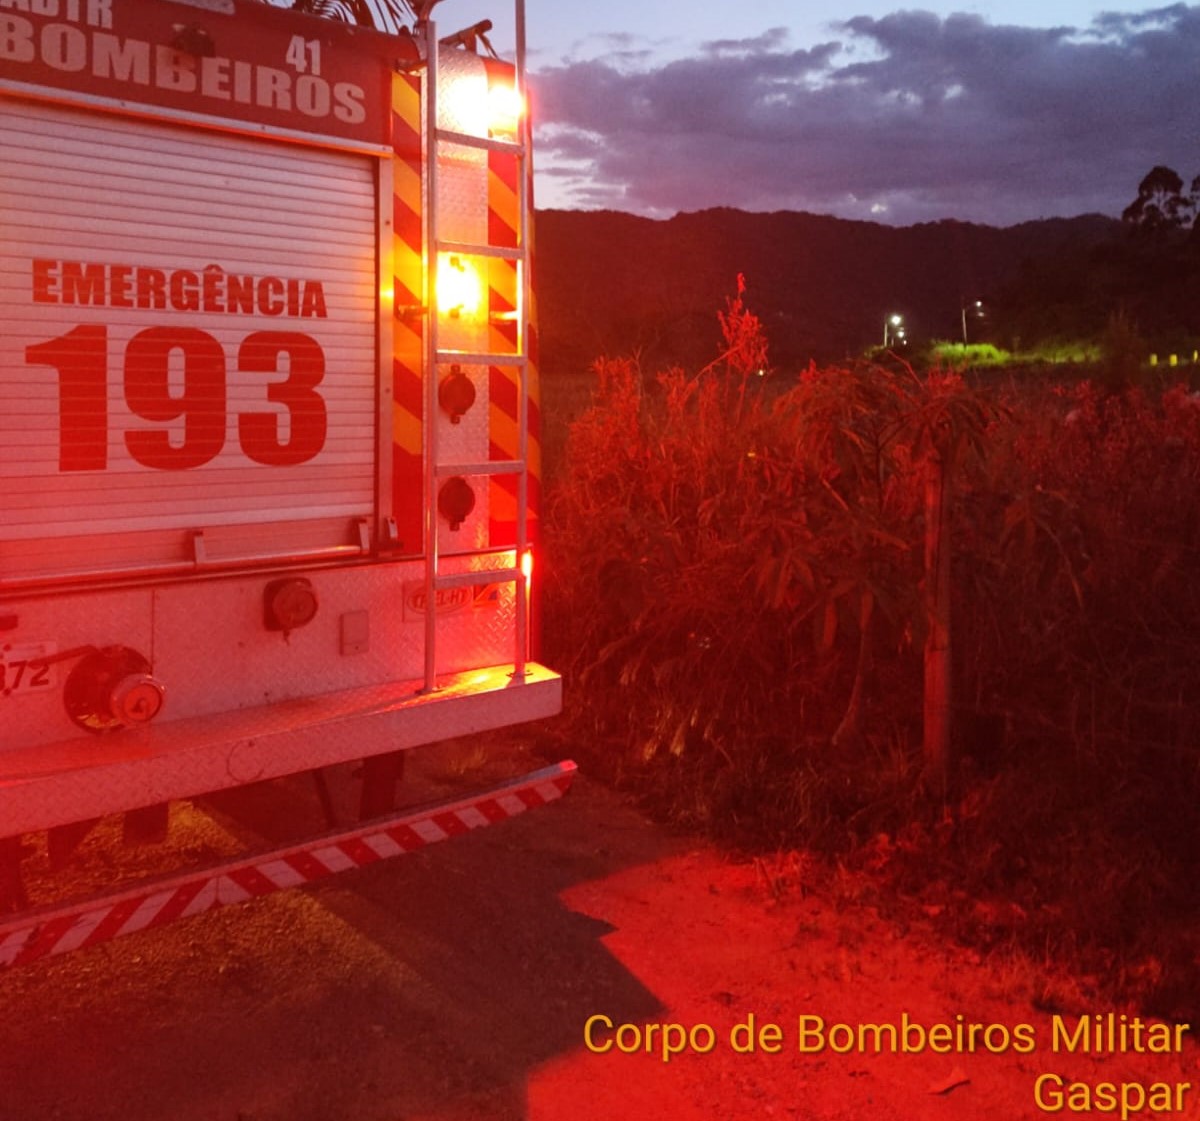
(456, 393)
(113, 688)
(136, 699)
(456, 500)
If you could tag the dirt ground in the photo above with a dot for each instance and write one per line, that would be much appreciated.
(455, 984)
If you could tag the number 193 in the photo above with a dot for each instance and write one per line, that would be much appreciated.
(81, 359)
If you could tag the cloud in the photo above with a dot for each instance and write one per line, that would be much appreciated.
(909, 117)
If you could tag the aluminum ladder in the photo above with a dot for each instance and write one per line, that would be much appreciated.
(435, 471)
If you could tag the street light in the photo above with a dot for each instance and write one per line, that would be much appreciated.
(892, 329)
(976, 308)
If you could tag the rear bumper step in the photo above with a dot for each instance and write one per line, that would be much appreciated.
(155, 902)
(89, 776)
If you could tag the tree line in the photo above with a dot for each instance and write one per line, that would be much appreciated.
(1163, 204)
(1146, 272)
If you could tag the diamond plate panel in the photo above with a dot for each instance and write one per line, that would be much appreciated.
(466, 441)
(462, 171)
(487, 632)
(208, 644)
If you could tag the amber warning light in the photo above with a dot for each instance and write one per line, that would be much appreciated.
(459, 291)
(506, 107)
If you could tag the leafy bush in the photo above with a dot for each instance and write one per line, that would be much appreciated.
(963, 355)
(740, 595)
(737, 579)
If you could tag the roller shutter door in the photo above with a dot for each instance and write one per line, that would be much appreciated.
(188, 346)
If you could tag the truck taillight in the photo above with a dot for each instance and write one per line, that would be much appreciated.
(459, 290)
(289, 604)
(527, 566)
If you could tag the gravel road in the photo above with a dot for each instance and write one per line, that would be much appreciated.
(455, 984)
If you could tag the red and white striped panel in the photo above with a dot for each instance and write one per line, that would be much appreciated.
(46, 932)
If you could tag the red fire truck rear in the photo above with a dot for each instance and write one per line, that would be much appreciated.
(268, 460)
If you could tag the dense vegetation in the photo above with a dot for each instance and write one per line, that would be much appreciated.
(744, 591)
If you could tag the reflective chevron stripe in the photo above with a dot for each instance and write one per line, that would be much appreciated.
(408, 337)
(39, 934)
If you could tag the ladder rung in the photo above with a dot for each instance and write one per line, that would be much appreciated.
(485, 576)
(467, 249)
(479, 358)
(492, 467)
(448, 136)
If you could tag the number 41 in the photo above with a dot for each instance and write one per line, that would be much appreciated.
(304, 55)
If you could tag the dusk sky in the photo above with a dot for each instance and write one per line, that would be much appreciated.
(859, 110)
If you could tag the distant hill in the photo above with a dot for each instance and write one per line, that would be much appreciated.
(612, 283)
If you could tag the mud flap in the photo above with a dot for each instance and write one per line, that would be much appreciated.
(12, 886)
(381, 774)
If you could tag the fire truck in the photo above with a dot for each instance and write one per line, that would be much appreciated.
(268, 430)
